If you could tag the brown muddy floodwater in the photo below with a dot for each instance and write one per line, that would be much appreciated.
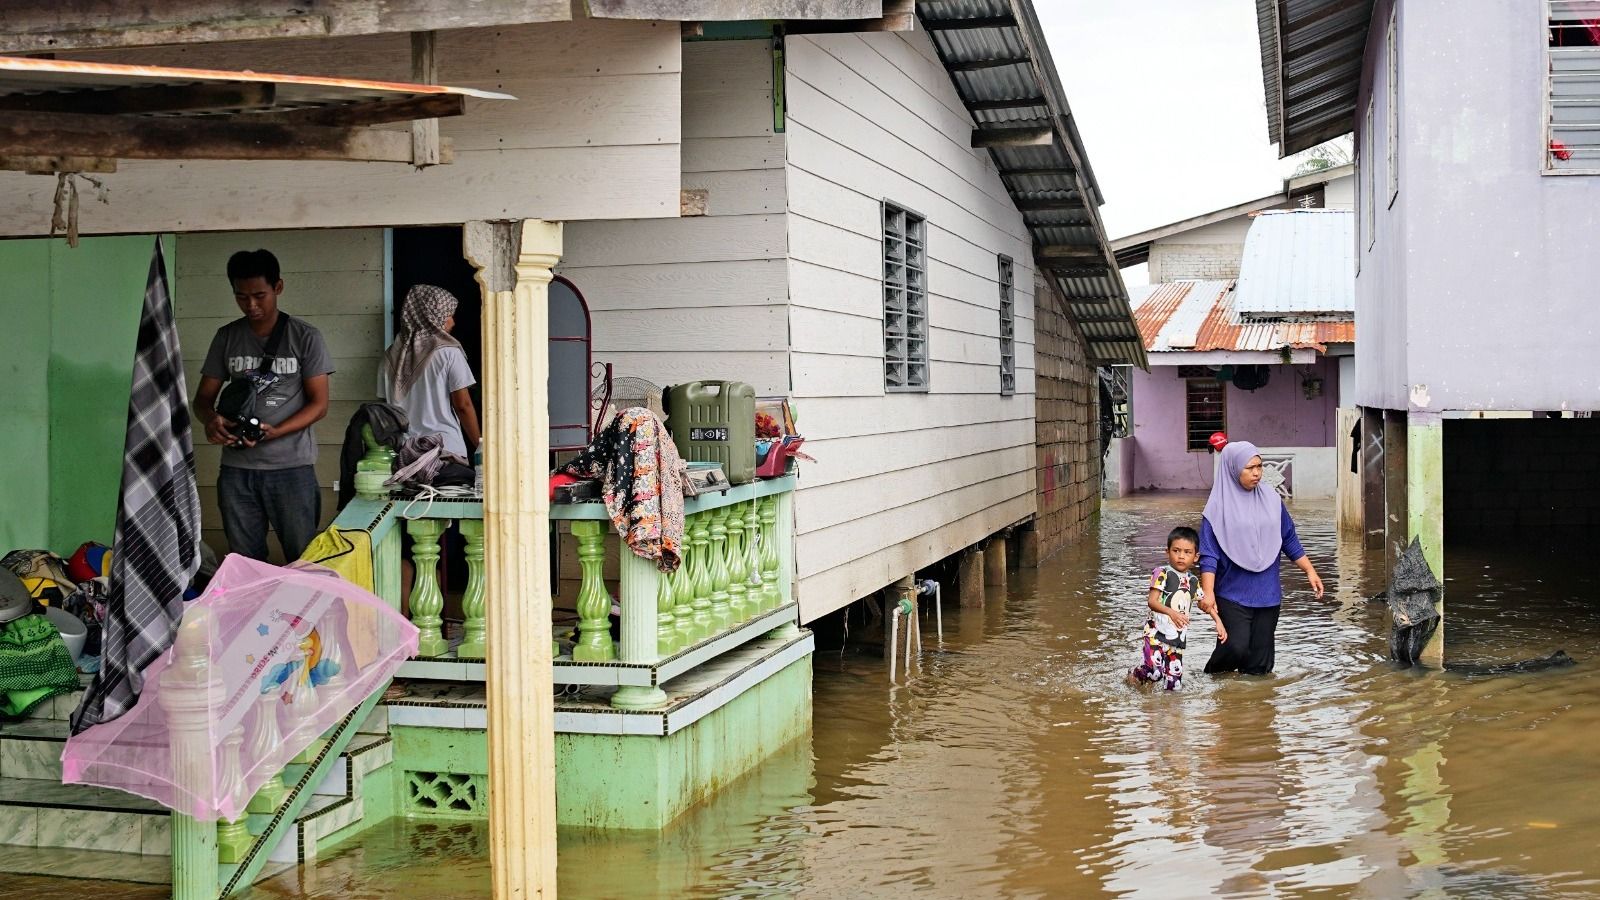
(1015, 762)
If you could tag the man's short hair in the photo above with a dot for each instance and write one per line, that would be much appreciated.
(248, 264)
(1184, 533)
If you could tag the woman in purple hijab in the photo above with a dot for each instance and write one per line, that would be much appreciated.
(1244, 530)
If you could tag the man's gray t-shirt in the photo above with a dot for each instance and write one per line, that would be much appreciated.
(236, 350)
(427, 404)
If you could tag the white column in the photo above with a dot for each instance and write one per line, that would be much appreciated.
(514, 261)
(639, 588)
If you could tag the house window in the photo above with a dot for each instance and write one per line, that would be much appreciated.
(1207, 409)
(1394, 108)
(1370, 163)
(1572, 88)
(905, 300)
(1008, 329)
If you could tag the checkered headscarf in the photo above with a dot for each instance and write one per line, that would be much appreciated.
(421, 333)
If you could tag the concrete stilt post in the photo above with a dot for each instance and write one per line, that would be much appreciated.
(994, 564)
(513, 261)
(1028, 547)
(971, 578)
(1425, 508)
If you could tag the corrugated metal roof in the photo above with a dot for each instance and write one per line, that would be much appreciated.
(1298, 262)
(1199, 316)
(998, 60)
(28, 76)
(1311, 54)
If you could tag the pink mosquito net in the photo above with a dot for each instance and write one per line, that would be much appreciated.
(267, 660)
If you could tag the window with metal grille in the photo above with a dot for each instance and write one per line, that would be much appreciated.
(1008, 329)
(905, 300)
(1572, 87)
(1207, 411)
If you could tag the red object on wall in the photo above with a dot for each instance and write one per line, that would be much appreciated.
(1560, 151)
(1218, 440)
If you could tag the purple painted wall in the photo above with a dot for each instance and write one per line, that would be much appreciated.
(1278, 415)
(1479, 292)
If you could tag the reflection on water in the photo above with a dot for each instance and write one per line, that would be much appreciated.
(1015, 762)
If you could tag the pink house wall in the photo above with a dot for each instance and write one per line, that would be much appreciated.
(1278, 415)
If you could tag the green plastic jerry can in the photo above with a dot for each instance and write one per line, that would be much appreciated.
(715, 421)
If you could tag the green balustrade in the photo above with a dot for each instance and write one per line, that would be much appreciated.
(705, 624)
(474, 627)
(739, 606)
(683, 598)
(594, 642)
(721, 615)
(755, 599)
(427, 601)
(668, 640)
(772, 598)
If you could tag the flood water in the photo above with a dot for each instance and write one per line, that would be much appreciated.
(1014, 762)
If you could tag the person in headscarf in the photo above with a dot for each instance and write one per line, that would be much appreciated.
(1244, 529)
(425, 372)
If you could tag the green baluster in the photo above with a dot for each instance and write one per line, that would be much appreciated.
(427, 602)
(667, 641)
(755, 597)
(769, 554)
(475, 627)
(721, 615)
(683, 595)
(739, 603)
(704, 624)
(594, 642)
(233, 838)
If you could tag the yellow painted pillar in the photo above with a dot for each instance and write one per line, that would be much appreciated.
(1424, 456)
(513, 261)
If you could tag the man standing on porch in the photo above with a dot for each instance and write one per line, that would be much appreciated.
(268, 477)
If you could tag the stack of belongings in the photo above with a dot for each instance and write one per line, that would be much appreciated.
(35, 664)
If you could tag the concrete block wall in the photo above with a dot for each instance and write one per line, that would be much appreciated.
(1521, 480)
(1067, 426)
(1171, 262)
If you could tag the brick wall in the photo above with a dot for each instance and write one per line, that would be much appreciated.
(1521, 479)
(1170, 262)
(1067, 422)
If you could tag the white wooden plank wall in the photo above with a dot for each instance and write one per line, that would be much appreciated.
(902, 480)
(702, 297)
(593, 134)
(332, 279)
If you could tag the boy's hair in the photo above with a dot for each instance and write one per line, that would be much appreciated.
(1184, 533)
(253, 264)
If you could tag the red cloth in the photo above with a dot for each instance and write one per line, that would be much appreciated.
(558, 480)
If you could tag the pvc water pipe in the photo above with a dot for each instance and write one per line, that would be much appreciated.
(908, 608)
(894, 638)
(929, 586)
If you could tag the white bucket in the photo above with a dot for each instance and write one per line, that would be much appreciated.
(72, 629)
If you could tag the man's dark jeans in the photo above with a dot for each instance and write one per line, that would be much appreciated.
(251, 499)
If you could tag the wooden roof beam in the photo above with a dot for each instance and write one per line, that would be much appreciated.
(1046, 171)
(977, 65)
(969, 24)
(129, 137)
(1070, 253)
(193, 98)
(375, 112)
(1013, 136)
(1019, 103)
(1074, 202)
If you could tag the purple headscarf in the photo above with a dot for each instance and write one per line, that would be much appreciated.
(1248, 524)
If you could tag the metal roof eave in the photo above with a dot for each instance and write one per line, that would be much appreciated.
(1311, 52)
(1000, 65)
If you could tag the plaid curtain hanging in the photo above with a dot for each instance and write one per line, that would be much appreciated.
(158, 519)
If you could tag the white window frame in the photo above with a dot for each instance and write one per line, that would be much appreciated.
(1008, 326)
(1549, 165)
(905, 299)
(1393, 118)
(1369, 210)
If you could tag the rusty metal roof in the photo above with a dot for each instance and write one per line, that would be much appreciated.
(28, 77)
(1199, 316)
(1311, 52)
(997, 58)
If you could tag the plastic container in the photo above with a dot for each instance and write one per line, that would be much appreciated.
(715, 421)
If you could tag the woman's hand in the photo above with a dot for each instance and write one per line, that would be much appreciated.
(1316, 581)
(1208, 605)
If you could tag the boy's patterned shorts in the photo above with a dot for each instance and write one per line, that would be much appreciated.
(1163, 663)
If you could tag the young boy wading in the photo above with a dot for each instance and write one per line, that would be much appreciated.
(263, 385)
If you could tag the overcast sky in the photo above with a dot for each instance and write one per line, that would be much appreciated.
(1167, 95)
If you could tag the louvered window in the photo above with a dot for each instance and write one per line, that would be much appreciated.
(1008, 329)
(905, 300)
(1573, 86)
